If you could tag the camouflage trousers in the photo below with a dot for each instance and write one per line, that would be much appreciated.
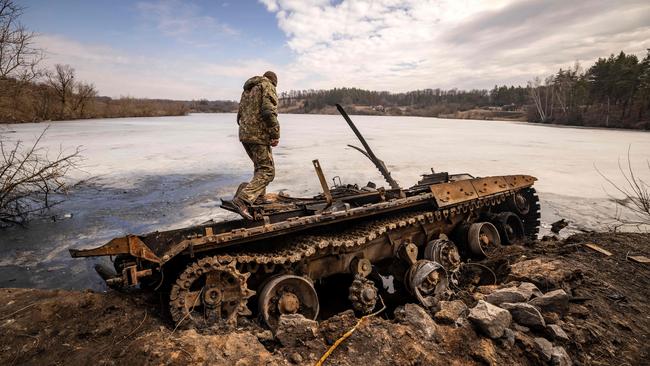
(264, 171)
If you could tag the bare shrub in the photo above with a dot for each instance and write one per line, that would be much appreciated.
(636, 196)
(30, 180)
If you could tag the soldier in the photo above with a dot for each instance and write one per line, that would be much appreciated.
(259, 130)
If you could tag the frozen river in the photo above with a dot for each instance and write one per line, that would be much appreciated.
(160, 173)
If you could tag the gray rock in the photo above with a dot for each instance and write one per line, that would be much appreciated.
(551, 318)
(418, 318)
(508, 294)
(559, 357)
(544, 348)
(556, 332)
(490, 319)
(295, 328)
(520, 328)
(529, 290)
(556, 301)
(265, 335)
(509, 336)
(525, 314)
(542, 272)
(296, 358)
(450, 311)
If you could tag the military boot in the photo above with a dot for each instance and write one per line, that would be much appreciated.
(242, 208)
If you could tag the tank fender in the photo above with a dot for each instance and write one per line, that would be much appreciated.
(129, 244)
(452, 193)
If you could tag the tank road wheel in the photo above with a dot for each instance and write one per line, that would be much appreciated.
(363, 294)
(510, 227)
(208, 293)
(287, 294)
(443, 251)
(483, 238)
(427, 281)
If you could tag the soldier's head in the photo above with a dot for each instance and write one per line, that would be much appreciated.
(271, 76)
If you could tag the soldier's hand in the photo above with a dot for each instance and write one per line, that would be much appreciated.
(275, 142)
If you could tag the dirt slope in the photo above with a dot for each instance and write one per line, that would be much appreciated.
(607, 321)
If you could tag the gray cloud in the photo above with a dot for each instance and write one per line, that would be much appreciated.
(418, 44)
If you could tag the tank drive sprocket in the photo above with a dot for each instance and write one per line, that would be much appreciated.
(209, 292)
(363, 294)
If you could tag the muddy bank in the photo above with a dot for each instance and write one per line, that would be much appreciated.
(601, 321)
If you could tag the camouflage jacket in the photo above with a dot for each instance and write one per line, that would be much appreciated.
(258, 112)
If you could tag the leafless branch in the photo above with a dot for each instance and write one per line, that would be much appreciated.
(18, 55)
(31, 181)
(636, 195)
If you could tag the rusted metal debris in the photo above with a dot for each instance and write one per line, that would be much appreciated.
(216, 272)
(557, 226)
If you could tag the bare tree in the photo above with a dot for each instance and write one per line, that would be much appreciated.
(62, 80)
(43, 101)
(84, 93)
(565, 84)
(18, 55)
(542, 95)
(30, 180)
(636, 195)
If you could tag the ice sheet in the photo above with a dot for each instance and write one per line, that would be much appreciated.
(161, 173)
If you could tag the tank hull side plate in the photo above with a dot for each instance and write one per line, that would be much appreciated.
(453, 193)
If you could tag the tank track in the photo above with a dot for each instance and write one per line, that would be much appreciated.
(305, 246)
(532, 220)
(302, 247)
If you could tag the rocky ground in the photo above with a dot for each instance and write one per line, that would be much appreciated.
(557, 302)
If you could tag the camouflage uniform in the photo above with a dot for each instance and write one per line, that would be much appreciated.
(258, 126)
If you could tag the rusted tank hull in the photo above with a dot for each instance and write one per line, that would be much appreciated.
(446, 198)
(219, 271)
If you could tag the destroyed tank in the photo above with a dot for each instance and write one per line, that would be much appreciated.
(218, 272)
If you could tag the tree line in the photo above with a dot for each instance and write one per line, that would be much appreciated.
(426, 102)
(30, 93)
(613, 92)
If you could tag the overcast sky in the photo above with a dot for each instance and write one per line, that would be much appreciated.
(207, 48)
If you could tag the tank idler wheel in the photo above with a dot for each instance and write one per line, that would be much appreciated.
(209, 293)
(443, 251)
(287, 294)
(483, 238)
(510, 227)
(363, 294)
(427, 281)
(519, 204)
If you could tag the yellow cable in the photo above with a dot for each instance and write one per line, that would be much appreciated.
(348, 334)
